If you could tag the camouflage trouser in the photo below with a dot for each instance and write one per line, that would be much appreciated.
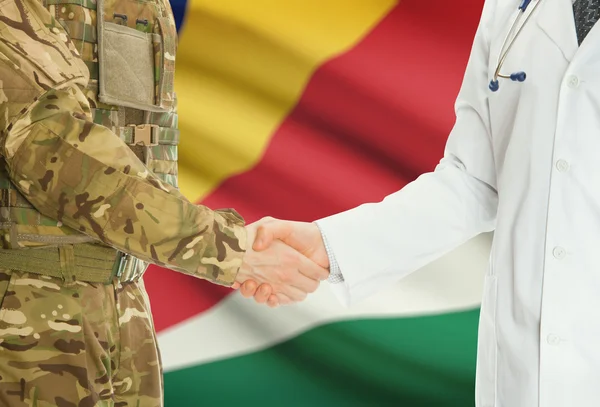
(79, 344)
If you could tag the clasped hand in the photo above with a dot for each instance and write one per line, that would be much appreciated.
(284, 262)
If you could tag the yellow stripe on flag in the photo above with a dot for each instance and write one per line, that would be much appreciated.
(242, 66)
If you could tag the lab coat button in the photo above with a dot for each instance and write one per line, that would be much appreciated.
(562, 165)
(559, 253)
(573, 81)
(553, 340)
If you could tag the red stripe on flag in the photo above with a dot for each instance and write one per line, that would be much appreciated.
(369, 121)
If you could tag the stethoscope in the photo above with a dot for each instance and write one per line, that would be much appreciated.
(507, 45)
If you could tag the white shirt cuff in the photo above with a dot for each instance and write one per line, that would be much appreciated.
(335, 273)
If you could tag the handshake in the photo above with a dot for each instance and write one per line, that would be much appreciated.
(284, 262)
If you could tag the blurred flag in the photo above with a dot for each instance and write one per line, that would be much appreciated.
(299, 109)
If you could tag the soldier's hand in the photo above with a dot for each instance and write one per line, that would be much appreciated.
(287, 275)
(302, 236)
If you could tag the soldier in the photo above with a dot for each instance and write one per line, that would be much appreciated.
(88, 197)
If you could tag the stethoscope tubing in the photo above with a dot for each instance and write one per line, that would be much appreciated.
(507, 45)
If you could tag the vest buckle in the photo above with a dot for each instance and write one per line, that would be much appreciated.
(144, 134)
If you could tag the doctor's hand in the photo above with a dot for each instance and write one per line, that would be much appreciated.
(305, 237)
(287, 274)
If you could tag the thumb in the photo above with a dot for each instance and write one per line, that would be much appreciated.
(266, 233)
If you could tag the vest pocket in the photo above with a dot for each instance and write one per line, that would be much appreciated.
(126, 60)
(136, 55)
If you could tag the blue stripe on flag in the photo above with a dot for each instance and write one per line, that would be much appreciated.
(179, 7)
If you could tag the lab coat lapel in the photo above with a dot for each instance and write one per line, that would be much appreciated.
(555, 18)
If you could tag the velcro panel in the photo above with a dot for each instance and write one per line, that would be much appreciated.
(126, 67)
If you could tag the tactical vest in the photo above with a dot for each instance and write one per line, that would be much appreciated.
(129, 48)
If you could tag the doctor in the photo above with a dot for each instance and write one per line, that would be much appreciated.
(523, 159)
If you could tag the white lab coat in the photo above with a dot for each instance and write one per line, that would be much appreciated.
(524, 161)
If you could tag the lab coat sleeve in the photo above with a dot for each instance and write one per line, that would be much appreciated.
(377, 244)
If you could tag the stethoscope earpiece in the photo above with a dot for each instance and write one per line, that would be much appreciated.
(494, 85)
(518, 76)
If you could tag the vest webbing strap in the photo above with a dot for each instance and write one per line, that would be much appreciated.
(83, 262)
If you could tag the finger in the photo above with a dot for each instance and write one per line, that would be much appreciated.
(248, 289)
(303, 283)
(312, 270)
(236, 285)
(293, 293)
(284, 299)
(293, 269)
(269, 231)
(264, 238)
(263, 293)
(273, 301)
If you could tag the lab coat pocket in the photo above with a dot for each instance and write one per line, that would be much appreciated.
(485, 383)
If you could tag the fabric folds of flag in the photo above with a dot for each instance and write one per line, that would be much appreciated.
(299, 109)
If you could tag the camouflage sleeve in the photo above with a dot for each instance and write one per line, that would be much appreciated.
(84, 175)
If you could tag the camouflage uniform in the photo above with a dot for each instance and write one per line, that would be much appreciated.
(88, 195)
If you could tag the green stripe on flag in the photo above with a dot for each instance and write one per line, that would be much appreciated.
(413, 362)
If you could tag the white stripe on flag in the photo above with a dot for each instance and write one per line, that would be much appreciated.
(238, 326)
